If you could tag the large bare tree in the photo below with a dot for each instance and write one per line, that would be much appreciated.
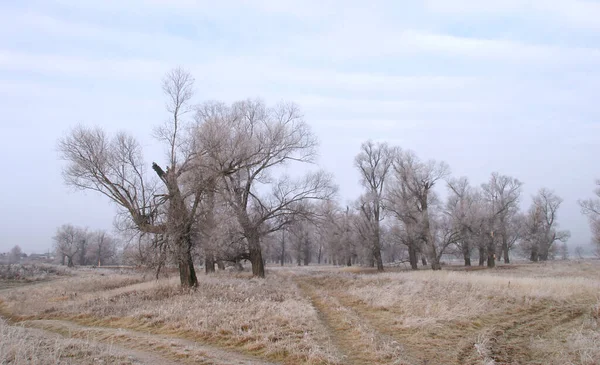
(501, 195)
(542, 225)
(374, 162)
(249, 143)
(412, 194)
(591, 208)
(462, 206)
(115, 168)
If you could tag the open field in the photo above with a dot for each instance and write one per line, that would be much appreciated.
(514, 314)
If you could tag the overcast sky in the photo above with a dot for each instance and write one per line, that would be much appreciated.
(508, 86)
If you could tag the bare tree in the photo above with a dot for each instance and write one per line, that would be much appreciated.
(374, 163)
(445, 234)
(115, 168)
(302, 239)
(336, 230)
(591, 208)
(501, 195)
(84, 241)
(102, 248)
(541, 231)
(412, 194)
(14, 256)
(247, 142)
(67, 242)
(564, 251)
(462, 207)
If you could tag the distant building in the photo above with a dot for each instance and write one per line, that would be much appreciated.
(40, 257)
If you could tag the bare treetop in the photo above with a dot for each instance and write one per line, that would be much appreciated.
(249, 136)
(374, 162)
(503, 193)
(111, 166)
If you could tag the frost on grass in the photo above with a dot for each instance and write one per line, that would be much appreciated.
(269, 316)
(21, 346)
(31, 272)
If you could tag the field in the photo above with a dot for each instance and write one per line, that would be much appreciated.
(514, 314)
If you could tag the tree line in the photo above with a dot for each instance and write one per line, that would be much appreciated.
(79, 246)
(226, 195)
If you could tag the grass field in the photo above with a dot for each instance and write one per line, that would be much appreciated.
(514, 314)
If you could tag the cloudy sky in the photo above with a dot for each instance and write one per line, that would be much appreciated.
(508, 86)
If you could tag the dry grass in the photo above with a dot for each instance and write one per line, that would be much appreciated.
(517, 314)
(21, 346)
(527, 314)
(266, 317)
(31, 272)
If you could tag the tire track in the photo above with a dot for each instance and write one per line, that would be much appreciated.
(358, 343)
(153, 349)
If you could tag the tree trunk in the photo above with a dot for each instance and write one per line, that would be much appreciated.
(481, 255)
(534, 257)
(491, 259)
(430, 247)
(282, 258)
(505, 249)
(70, 261)
(544, 252)
(435, 263)
(378, 260)
(220, 264)
(258, 265)
(209, 263)
(412, 257)
(349, 260)
(467, 255)
(306, 253)
(187, 274)
(377, 255)
(423, 260)
(377, 245)
(491, 251)
(238, 265)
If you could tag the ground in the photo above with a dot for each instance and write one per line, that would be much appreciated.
(547, 313)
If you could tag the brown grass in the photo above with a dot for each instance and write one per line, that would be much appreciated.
(21, 346)
(518, 314)
(266, 317)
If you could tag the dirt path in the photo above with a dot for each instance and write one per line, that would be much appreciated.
(358, 342)
(147, 348)
(514, 330)
(505, 335)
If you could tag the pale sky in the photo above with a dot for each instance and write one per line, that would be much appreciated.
(508, 86)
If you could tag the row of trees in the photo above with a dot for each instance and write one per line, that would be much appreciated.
(399, 197)
(225, 166)
(78, 246)
(224, 195)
